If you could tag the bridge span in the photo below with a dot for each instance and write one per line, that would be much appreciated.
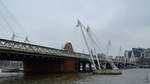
(43, 59)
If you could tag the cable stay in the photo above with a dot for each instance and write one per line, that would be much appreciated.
(11, 16)
(8, 18)
(94, 50)
(7, 23)
(94, 39)
(94, 45)
(3, 15)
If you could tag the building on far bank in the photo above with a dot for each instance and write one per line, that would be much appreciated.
(142, 55)
(120, 58)
(145, 59)
(11, 64)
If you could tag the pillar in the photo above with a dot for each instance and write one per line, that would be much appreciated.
(90, 67)
(39, 67)
(78, 67)
(84, 67)
(69, 66)
(44, 67)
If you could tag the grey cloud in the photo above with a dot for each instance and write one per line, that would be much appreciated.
(125, 22)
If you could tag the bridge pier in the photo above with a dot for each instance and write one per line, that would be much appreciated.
(90, 66)
(39, 67)
(86, 67)
(83, 67)
(78, 67)
(69, 66)
(50, 67)
(108, 66)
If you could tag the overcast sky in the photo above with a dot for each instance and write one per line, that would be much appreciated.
(52, 22)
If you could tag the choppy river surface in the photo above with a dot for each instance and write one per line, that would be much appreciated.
(130, 76)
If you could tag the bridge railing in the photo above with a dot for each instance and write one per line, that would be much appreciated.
(36, 49)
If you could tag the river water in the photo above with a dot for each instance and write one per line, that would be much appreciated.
(129, 76)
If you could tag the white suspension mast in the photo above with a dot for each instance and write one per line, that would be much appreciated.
(99, 66)
(13, 36)
(108, 53)
(132, 58)
(26, 39)
(94, 44)
(79, 24)
(119, 54)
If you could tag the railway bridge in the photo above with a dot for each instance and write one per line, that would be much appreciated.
(44, 59)
(40, 59)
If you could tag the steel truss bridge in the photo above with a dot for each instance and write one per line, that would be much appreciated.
(26, 48)
(38, 58)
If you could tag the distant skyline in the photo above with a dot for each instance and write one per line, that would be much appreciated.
(52, 22)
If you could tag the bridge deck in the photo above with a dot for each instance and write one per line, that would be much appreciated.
(28, 49)
(14, 46)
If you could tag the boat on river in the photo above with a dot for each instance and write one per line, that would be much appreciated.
(146, 80)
